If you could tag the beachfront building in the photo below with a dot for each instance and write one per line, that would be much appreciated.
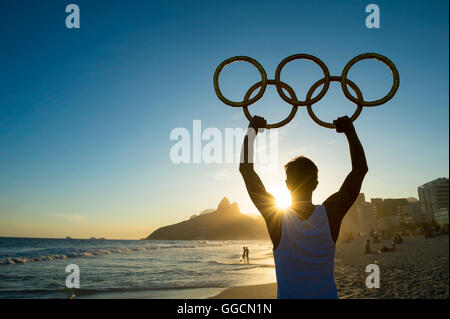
(360, 217)
(441, 217)
(366, 217)
(434, 198)
(377, 204)
(385, 223)
(389, 212)
(350, 221)
(412, 214)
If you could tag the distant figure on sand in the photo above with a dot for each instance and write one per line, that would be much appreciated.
(374, 237)
(304, 235)
(398, 239)
(367, 247)
(394, 247)
(385, 249)
(245, 253)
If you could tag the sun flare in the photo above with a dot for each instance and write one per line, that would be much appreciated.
(283, 198)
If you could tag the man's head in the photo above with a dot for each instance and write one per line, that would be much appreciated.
(301, 176)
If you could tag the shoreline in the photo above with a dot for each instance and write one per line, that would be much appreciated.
(264, 291)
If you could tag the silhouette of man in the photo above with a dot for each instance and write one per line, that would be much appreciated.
(304, 236)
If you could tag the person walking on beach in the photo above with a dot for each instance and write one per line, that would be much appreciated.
(247, 251)
(304, 235)
(243, 254)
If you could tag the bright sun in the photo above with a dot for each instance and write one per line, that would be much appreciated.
(283, 197)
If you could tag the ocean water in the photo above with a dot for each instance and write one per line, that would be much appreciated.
(36, 268)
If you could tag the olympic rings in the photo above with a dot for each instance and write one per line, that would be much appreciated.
(235, 59)
(284, 86)
(308, 102)
(306, 57)
(337, 79)
(381, 58)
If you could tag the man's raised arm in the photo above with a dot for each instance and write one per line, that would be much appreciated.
(339, 203)
(263, 201)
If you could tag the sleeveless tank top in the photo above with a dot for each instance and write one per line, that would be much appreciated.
(304, 258)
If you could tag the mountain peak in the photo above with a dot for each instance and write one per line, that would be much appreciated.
(234, 208)
(225, 207)
(224, 204)
(225, 223)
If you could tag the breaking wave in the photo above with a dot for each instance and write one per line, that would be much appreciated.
(63, 253)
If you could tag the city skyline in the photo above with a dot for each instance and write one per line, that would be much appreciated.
(385, 214)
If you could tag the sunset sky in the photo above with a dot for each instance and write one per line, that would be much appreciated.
(86, 114)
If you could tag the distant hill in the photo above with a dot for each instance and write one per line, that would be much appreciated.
(225, 223)
(205, 211)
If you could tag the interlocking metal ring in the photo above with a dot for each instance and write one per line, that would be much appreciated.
(322, 65)
(366, 56)
(236, 59)
(337, 79)
(284, 86)
(309, 101)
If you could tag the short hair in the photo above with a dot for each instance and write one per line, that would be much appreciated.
(301, 172)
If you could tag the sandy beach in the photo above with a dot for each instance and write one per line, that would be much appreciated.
(418, 269)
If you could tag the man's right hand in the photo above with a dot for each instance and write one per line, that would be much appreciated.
(258, 123)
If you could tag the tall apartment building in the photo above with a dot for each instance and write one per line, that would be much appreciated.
(366, 217)
(377, 204)
(434, 198)
(360, 217)
(413, 213)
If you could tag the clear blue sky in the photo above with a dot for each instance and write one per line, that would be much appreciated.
(85, 115)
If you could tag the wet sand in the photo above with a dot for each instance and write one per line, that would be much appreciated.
(267, 291)
(418, 269)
